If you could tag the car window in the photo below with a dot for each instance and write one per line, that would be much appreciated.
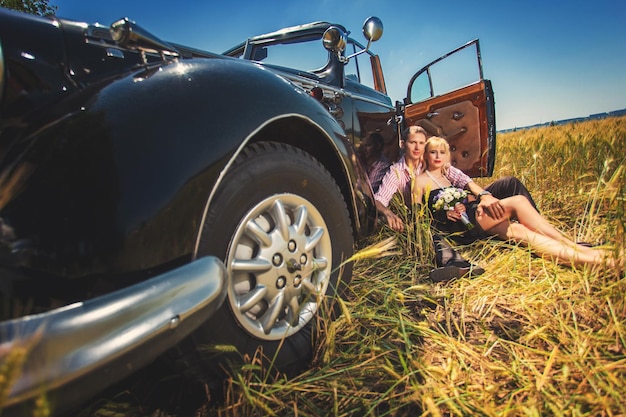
(359, 68)
(306, 56)
(456, 71)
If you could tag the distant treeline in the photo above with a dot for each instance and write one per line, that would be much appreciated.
(597, 116)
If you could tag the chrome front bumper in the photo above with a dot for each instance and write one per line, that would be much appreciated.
(79, 349)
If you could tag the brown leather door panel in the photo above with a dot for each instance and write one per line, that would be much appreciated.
(460, 117)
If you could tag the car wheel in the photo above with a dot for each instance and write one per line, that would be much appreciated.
(280, 223)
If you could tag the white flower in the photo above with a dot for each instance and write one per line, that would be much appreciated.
(447, 198)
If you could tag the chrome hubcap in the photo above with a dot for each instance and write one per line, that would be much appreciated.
(279, 266)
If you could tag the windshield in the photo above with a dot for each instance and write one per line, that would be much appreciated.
(304, 54)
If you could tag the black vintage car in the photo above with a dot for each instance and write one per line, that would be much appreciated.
(156, 198)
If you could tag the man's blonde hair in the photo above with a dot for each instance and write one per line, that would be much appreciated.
(413, 130)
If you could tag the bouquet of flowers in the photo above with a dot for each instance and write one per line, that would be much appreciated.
(447, 198)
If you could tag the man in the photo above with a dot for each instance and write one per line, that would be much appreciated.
(450, 264)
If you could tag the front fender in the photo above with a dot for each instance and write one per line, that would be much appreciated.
(120, 182)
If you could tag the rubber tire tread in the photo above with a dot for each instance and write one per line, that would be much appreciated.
(263, 169)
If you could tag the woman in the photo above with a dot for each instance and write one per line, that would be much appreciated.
(520, 223)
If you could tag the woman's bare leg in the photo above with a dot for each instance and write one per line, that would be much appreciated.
(547, 246)
(526, 214)
(518, 207)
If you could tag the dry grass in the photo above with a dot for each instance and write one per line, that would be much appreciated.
(527, 338)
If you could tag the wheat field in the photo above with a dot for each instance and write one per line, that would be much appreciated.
(527, 338)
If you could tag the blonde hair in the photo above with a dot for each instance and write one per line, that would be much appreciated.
(436, 142)
(412, 130)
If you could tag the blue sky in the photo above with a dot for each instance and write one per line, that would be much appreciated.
(548, 60)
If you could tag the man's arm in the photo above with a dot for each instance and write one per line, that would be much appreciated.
(382, 198)
(486, 202)
(393, 221)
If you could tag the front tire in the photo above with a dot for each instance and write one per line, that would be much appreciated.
(281, 226)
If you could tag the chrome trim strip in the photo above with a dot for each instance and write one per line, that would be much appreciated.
(368, 100)
(70, 342)
(304, 83)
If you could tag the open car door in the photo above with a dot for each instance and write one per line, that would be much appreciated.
(450, 100)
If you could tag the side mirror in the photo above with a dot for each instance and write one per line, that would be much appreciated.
(372, 29)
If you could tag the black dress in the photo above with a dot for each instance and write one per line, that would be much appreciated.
(457, 230)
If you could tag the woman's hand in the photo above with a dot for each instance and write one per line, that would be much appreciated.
(455, 215)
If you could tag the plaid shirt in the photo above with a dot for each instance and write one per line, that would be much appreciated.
(398, 178)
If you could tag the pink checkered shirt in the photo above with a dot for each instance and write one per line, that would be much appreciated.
(398, 179)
